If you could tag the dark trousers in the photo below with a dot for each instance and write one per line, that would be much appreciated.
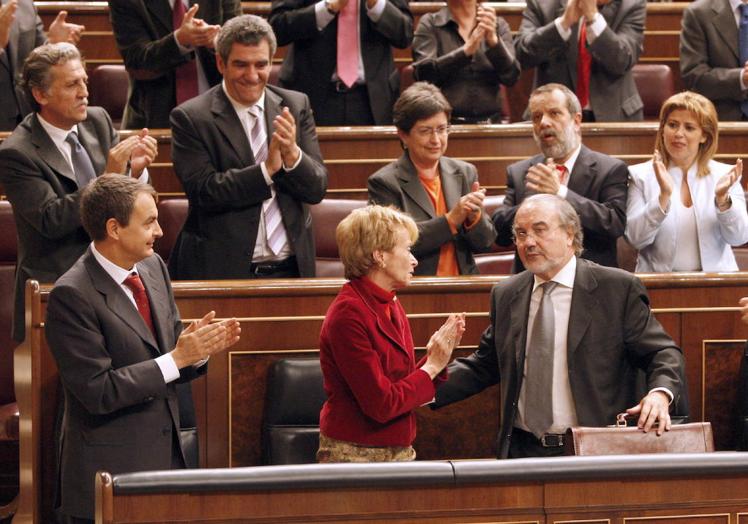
(526, 445)
(287, 268)
(345, 107)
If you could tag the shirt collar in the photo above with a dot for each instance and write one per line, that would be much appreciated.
(117, 273)
(569, 164)
(565, 275)
(735, 4)
(57, 135)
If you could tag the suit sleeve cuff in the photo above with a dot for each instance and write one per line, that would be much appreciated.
(322, 16)
(375, 13)
(596, 28)
(564, 33)
(562, 191)
(168, 368)
(295, 164)
(666, 391)
(475, 221)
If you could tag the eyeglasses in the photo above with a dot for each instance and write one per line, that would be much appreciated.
(426, 132)
(539, 232)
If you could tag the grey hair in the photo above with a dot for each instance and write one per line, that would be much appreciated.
(244, 30)
(36, 72)
(572, 102)
(567, 216)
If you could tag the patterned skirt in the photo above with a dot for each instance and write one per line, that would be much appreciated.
(332, 450)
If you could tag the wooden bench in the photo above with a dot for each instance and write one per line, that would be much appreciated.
(281, 319)
(659, 489)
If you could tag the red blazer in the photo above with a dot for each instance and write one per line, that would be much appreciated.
(370, 374)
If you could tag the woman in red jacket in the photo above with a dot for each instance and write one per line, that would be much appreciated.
(372, 380)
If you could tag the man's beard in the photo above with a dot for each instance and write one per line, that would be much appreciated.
(563, 145)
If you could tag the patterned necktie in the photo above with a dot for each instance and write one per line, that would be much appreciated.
(186, 74)
(743, 47)
(135, 285)
(584, 66)
(82, 165)
(539, 379)
(348, 43)
(274, 230)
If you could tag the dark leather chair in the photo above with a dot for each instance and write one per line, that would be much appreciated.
(499, 260)
(171, 216)
(294, 397)
(107, 87)
(325, 219)
(656, 84)
(9, 416)
(274, 76)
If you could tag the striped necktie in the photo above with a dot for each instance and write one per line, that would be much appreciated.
(274, 230)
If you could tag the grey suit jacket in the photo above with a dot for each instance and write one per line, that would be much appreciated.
(597, 189)
(311, 58)
(226, 188)
(613, 93)
(709, 56)
(145, 38)
(42, 188)
(612, 333)
(26, 33)
(120, 415)
(397, 184)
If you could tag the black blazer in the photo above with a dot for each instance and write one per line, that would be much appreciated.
(42, 188)
(597, 189)
(120, 415)
(612, 333)
(145, 38)
(312, 56)
(214, 161)
(397, 184)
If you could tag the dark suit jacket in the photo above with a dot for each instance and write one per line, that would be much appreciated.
(145, 38)
(26, 33)
(709, 55)
(611, 333)
(397, 184)
(41, 186)
(311, 59)
(597, 191)
(613, 93)
(120, 415)
(214, 161)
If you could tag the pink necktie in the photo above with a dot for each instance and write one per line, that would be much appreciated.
(348, 43)
(186, 74)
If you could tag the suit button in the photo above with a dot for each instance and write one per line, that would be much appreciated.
(148, 399)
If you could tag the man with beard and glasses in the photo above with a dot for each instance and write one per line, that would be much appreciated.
(593, 183)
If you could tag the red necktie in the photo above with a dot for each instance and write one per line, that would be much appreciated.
(348, 43)
(562, 173)
(141, 298)
(186, 74)
(584, 65)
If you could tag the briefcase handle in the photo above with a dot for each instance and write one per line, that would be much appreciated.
(621, 420)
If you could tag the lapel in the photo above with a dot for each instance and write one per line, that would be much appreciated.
(273, 108)
(724, 24)
(583, 173)
(411, 185)
(583, 304)
(519, 307)
(230, 126)
(385, 328)
(48, 151)
(90, 143)
(158, 297)
(161, 11)
(117, 301)
(452, 182)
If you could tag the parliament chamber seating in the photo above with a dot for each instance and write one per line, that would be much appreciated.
(171, 216)
(293, 399)
(499, 260)
(325, 219)
(107, 87)
(656, 84)
(9, 416)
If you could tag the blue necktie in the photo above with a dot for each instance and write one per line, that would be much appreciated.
(82, 165)
(743, 47)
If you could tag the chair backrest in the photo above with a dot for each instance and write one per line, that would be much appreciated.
(8, 253)
(171, 216)
(294, 397)
(325, 219)
(274, 76)
(656, 84)
(107, 87)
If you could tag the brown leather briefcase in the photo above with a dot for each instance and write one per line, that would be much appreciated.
(620, 439)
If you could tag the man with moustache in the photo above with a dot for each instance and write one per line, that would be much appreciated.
(566, 342)
(593, 183)
(590, 46)
(50, 157)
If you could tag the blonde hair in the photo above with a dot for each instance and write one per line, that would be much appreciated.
(368, 229)
(705, 114)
